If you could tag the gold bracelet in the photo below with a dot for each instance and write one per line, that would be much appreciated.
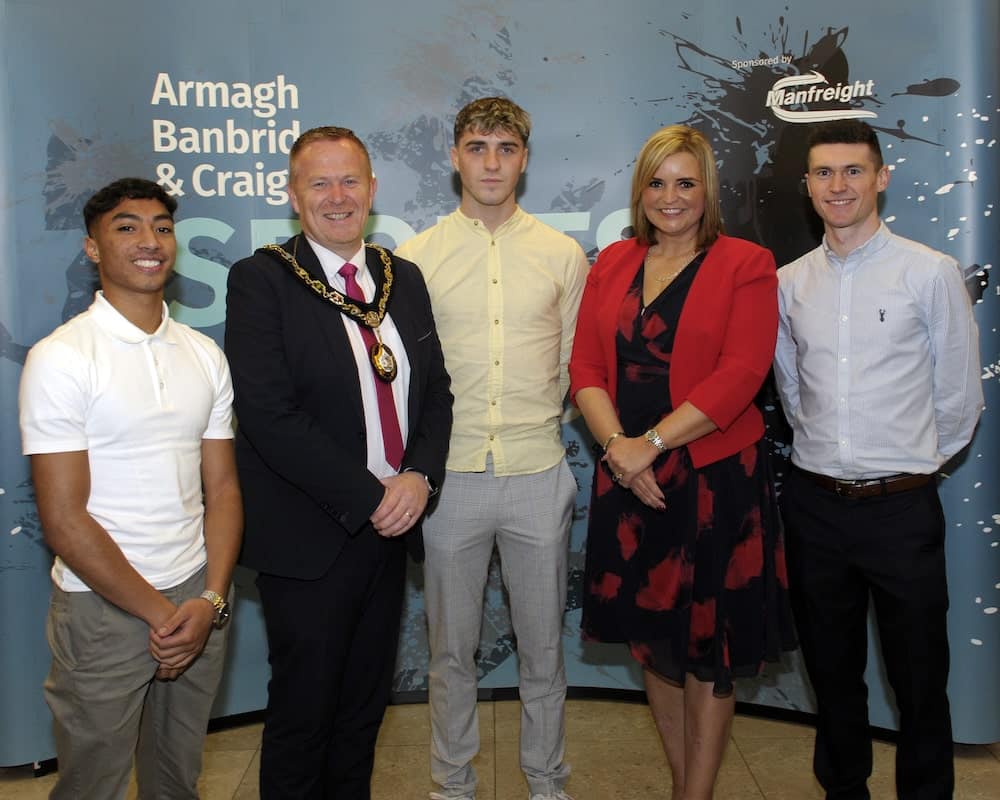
(611, 438)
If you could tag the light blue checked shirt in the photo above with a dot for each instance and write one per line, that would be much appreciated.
(877, 359)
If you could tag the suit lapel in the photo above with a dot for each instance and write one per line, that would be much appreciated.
(326, 319)
(405, 326)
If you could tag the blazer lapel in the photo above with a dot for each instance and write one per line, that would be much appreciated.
(327, 320)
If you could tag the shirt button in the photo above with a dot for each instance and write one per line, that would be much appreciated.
(161, 384)
(496, 322)
(496, 363)
(494, 281)
(844, 318)
(491, 437)
(843, 359)
(493, 402)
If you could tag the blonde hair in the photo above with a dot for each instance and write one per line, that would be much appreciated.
(492, 114)
(664, 143)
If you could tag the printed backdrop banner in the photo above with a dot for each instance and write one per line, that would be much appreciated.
(206, 98)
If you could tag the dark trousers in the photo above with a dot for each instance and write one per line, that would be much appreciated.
(840, 552)
(332, 650)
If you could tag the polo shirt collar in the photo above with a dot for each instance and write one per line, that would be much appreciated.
(112, 321)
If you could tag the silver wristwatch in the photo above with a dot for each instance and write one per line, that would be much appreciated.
(654, 438)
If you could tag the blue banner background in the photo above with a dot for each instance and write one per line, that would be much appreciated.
(76, 111)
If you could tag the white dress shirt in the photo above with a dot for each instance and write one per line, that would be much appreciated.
(877, 360)
(331, 263)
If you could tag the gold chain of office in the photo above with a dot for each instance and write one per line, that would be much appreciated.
(371, 314)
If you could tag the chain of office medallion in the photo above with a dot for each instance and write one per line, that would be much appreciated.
(371, 319)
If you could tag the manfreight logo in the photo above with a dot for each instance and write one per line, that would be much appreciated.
(788, 95)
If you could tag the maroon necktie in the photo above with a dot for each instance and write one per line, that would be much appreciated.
(391, 436)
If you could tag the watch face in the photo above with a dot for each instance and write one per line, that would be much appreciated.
(222, 616)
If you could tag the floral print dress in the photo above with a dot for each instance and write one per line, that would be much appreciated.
(701, 587)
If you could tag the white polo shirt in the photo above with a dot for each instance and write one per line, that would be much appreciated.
(140, 404)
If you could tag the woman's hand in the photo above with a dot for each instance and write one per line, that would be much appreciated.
(630, 460)
(645, 487)
(627, 456)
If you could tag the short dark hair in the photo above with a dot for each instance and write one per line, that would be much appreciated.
(492, 114)
(103, 200)
(326, 133)
(845, 131)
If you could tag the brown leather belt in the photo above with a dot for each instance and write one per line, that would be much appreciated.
(872, 487)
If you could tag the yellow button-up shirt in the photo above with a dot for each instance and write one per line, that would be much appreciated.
(505, 307)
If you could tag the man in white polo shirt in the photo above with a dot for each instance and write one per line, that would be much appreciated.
(127, 417)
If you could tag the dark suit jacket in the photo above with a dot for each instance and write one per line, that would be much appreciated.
(300, 444)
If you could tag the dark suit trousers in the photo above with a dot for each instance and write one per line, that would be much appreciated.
(840, 552)
(332, 650)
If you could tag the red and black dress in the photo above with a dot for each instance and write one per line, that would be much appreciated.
(699, 588)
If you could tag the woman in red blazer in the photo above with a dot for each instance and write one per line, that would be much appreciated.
(675, 336)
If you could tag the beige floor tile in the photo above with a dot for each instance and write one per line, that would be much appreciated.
(243, 737)
(783, 768)
(977, 773)
(510, 784)
(736, 781)
(587, 720)
(745, 727)
(408, 724)
(604, 720)
(249, 788)
(411, 724)
(507, 720)
(19, 783)
(222, 772)
(621, 769)
(409, 768)
(883, 780)
(401, 773)
(625, 770)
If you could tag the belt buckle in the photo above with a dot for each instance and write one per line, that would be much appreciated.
(847, 488)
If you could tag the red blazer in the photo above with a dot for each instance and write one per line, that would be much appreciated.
(724, 343)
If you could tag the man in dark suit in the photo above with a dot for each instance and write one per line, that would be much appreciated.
(344, 413)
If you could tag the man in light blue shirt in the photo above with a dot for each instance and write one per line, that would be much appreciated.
(877, 365)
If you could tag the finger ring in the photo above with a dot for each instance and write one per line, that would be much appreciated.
(618, 476)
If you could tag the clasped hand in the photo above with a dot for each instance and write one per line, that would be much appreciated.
(179, 640)
(630, 459)
(402, 504)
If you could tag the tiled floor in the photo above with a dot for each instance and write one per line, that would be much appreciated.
(612, 747)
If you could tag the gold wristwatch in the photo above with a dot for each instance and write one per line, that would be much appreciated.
(221, 606)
